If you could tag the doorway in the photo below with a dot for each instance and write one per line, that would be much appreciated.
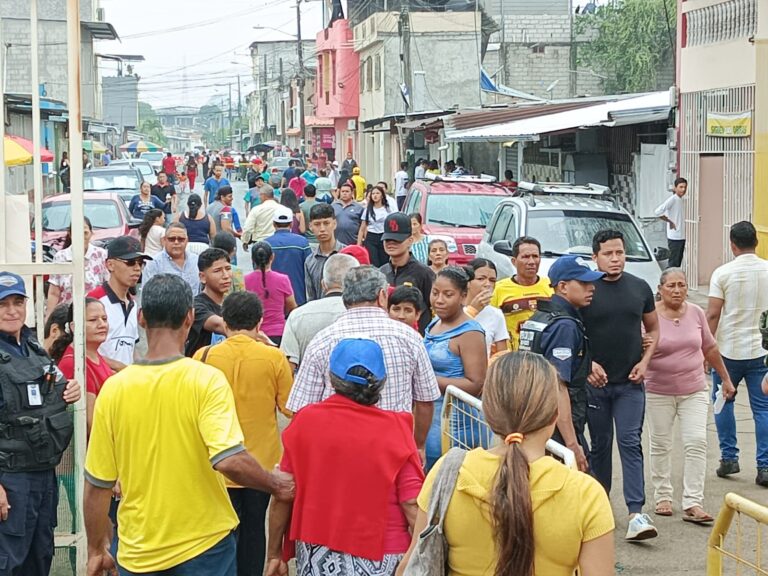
(711, 225)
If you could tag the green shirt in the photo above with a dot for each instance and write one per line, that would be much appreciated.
(306, 206)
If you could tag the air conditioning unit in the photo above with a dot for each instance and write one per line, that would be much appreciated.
(100, 15)
(351, 125)
(672, 138)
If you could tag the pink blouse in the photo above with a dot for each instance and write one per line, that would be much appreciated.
(677, 365)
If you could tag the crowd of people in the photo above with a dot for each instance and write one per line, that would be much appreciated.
(352, 326)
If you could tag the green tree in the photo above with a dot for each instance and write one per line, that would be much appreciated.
(150, 125)
(629, 42)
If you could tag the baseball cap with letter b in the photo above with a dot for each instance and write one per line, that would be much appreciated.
(397, 227)
(357, 352)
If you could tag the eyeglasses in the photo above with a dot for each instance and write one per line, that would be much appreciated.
(133, 261)
(175, 239)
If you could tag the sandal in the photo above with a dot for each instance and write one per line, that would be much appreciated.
(697, 515)
(664, 508)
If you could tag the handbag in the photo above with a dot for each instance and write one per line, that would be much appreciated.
(430, 556)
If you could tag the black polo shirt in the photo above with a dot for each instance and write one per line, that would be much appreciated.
(415, 274)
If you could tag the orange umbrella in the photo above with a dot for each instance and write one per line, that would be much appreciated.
(18, 151)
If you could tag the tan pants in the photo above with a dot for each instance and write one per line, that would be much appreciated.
(691, 410)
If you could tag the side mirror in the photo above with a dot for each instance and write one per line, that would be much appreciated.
(503, 247)
(134, 223)
(661, 253)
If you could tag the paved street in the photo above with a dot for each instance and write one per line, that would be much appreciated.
(680, 548)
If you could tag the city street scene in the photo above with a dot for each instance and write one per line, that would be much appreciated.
(383, 287)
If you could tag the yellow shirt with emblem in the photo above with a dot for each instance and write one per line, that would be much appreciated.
(518, 303)
(160, 428)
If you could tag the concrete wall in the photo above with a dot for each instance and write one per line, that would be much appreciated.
(435, 38)
(338, 73)
(52, 55)
(121, 100)
(525, 7)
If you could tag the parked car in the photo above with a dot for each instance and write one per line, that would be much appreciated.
(121, 180)
(280, 164)
(106, 211)
(154, 158)
(564, 218)
(143, 166)
(456, 209)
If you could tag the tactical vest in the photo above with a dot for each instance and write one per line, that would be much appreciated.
(35, 425)
(530, 341)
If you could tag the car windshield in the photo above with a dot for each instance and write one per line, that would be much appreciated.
(111, 180)
(461, 210)
(102, 214)
(151, 156)
(571, 232)
(282, 162)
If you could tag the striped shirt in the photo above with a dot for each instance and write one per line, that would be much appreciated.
(742, 284)
(409, 371)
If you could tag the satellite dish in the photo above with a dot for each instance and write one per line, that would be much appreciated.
(552, 86)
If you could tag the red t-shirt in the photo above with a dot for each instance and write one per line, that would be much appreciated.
(96, 373)
(169, 165)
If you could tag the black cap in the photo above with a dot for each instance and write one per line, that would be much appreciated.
(397, 227)
(125, 248)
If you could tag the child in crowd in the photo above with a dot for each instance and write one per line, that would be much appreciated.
(404, 305)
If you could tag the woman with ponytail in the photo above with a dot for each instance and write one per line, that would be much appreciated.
(515, 510)
(200, 226)
(273, 288)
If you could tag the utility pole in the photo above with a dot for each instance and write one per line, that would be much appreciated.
(300, 54)
(405, 52)
(239, 112)
(231, 133)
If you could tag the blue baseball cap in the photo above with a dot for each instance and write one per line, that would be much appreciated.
(353, 352)
(11, 285)
(572, 268)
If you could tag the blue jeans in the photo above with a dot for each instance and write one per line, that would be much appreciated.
(752, 372)
(217, 561)
(624, 406)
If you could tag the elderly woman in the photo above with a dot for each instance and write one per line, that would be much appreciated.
(676, 388)
(356, 481)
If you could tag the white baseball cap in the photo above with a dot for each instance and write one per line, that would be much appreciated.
(283, 215)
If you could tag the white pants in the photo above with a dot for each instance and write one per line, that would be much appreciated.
(691, 410)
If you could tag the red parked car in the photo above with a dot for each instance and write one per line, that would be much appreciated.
(106, 211)
(456, 209)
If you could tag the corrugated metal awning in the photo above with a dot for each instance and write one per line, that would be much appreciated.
(547, 122)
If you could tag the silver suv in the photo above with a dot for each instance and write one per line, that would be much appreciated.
(564, 218)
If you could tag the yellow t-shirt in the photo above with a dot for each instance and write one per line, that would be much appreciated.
(360, 185)
(160, 428)
(569, 508)
(261, 381)
(518, 303)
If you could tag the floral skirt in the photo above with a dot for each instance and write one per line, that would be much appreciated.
(316, 560)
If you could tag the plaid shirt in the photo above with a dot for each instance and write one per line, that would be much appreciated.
(409, 372)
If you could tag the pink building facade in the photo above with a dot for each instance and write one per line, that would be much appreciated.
(333, 128)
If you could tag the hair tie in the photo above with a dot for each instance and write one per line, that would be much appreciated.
(514, 438)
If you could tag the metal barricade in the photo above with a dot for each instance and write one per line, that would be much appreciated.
(734, 560)
(463, 425)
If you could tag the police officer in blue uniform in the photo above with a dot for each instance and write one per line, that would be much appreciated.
(557, 332)
(35, 429)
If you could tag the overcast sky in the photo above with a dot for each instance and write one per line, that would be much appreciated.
(194, 48)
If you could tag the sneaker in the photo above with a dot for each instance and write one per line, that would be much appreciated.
(728, 467)
(640, 528)
(762, 477)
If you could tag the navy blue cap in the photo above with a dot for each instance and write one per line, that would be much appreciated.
(11, 285)
(572, 268)
(353, 352)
